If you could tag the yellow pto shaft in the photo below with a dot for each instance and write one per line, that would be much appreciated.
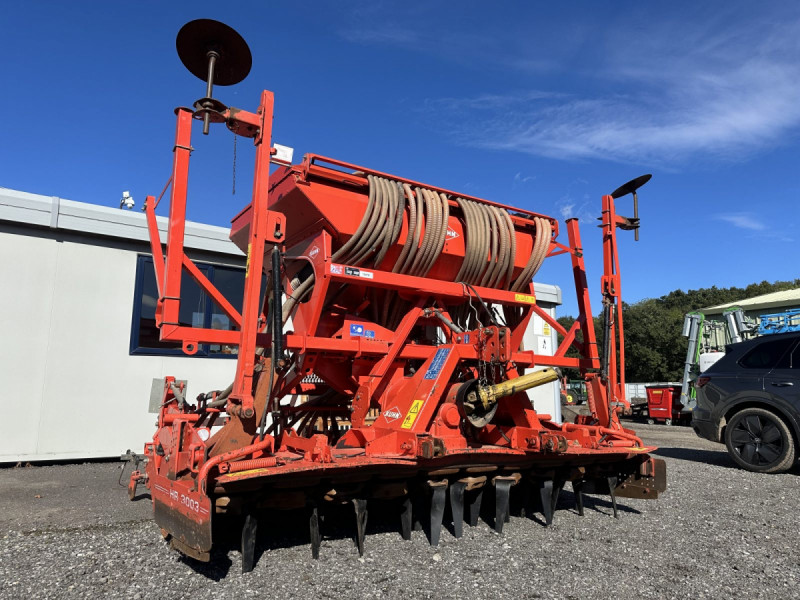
(490, 394)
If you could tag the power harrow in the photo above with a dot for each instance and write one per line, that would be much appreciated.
(383, 358)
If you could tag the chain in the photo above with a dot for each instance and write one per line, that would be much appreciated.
(234, 164)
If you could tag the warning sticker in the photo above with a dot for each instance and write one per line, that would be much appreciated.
(525, 298)
(392, 414)
(437, 364)
(413, 412)
(336, 269)
(353, 272)
(247, 262)
(359, 330)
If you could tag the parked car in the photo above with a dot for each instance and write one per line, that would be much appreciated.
(750, 400)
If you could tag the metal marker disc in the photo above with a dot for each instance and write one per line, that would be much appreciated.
(197, 38)
(631, 186)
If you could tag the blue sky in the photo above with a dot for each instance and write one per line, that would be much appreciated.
(541, 105)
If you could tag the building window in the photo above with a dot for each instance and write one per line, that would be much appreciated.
(197, 309)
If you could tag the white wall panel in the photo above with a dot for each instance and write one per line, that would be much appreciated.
(72, 390)
(542, 339)
(27, 270)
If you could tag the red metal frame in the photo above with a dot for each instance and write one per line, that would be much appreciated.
(169, 266)
(612, 294)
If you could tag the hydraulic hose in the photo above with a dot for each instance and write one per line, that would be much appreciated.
(468, 239)
(277, 304)
(412, 224)
(442, 216)
(375, 229)
(296, 297)
(388, 227)
(414, 248)
(606, 340)
(505, 244)
(487, 274)
(494, 263)
(337, 256)
(422, 254)
(483, 251)
(399, 204)
(512, 250)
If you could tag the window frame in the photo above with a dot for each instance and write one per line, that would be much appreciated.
(203, 351)
(777, 362)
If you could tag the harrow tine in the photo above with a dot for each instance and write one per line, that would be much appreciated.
(419, 509)
(577, 489)
(546, 496)
(557, 488)
(502, 487)
(360, 505)
(316, 537)
(406, 518)
(525, 498)
(475, 507)
(439, 489)
(249, 542)
(457, 507)
(612, 485)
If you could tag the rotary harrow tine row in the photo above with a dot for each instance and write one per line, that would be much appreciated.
(432, 500)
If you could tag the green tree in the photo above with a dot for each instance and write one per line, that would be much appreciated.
(654, 347)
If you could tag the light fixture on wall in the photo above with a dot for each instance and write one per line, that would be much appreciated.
(126, 201)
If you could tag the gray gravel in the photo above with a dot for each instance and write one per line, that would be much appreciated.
(717, 532)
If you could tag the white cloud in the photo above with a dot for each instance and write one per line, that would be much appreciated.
(520, 179)
(391, 36)
(742, 221)
(489, 102)
(685, 90)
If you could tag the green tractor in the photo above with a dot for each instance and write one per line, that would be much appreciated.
(573, 391)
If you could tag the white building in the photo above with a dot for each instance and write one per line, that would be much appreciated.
(80, 361)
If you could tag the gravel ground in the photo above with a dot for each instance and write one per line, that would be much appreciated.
(718, 531)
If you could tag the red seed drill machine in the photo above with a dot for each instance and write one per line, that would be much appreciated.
(402, 374)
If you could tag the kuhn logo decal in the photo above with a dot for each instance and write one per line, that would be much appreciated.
(313, 252)
(451, 233)
(392, 414)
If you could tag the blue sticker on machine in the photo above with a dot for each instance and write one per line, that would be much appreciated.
(437, 364)
(358, 330)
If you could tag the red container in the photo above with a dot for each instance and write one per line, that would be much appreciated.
(664, 403)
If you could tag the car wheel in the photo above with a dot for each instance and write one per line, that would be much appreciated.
(667, 422)
(651, 421)
(758, 440)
